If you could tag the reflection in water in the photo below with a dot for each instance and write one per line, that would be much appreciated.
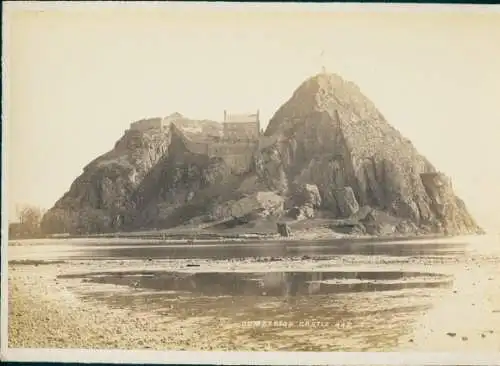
(200, 240)
(378, 305)
(349, 321)
(273, 249)
(268, 284)
(352, 321)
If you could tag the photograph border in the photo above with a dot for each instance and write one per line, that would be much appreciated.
(206, 357)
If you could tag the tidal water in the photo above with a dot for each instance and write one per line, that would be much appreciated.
(265, 290)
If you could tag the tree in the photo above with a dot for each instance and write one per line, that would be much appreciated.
(29, 218)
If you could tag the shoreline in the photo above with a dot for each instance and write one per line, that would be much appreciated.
(46, 311)
(43, 314)
(313, 236)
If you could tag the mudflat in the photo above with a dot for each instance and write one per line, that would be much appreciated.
(337, 295)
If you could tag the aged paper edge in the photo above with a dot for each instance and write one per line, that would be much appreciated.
(193, 357)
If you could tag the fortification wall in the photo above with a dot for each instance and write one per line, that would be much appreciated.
(222, 149)
(237, 155)
(196, 147)
(146, 124)
(239, 131)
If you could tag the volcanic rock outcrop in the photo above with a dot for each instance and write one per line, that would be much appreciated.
(331, 135)
(327, 152)
(99, 199)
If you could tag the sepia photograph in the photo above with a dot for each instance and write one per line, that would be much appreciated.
(266, 183)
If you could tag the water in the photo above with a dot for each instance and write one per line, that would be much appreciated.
(223, 251)
(363, 294)
(282, 284)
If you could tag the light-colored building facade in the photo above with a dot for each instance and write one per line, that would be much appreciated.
(241, 126)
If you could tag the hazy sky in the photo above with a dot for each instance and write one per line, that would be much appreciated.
(77, 78)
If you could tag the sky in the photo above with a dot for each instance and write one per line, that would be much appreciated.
(77, 76)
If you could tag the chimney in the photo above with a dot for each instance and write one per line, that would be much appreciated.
(225, 113)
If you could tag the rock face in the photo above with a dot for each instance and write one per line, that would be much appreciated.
(329, 134)
(342, 201)
(326, 151)
(304, 200)
(108, 195)
(283, 229)
(306, 195)
(99, 199)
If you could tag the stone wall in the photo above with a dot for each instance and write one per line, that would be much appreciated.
(237, 155)
(221, 149)
(241, 131)
(236, 152)
(196, 147)
(146, 124)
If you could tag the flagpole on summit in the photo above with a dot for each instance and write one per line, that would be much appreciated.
(321, 56)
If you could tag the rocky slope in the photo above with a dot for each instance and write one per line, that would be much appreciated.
(327, 153)
(332, 136)
(101, 199)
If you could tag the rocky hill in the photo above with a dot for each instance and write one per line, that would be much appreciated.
(327, 153)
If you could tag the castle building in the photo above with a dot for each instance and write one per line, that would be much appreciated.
(241, 126)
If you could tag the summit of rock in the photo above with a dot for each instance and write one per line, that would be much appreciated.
(175, 115)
